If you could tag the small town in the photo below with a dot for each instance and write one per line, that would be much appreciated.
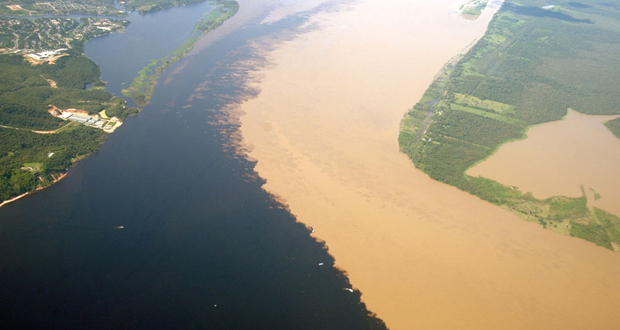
(39, 36)
(63, 8)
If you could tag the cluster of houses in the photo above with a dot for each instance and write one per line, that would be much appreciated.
(105, 25)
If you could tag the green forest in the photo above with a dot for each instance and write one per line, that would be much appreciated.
(26, 93)
(29, 159)
(535, 61)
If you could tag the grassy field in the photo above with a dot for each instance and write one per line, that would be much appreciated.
(533, 63)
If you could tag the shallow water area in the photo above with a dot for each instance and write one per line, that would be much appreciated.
(557, 158)
(324, 130)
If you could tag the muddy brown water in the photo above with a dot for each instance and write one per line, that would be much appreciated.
(425, 255)
(557, 158)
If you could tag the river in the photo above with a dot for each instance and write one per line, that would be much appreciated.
(166, 226)
(324, 130)
(148, 37)
(187, 216)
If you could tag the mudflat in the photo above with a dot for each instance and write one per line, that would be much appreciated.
(425, 255)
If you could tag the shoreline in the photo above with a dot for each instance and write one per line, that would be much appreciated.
(324, 130)
(61, 176)
(11, 200)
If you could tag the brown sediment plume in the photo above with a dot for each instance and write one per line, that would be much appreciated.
(425, 255)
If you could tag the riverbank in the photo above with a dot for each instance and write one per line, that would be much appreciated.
(424, 255)
(60, 176)
(13, 199)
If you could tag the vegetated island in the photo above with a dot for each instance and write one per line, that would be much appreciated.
(54, 109)
(473, 9)
(534, 62)
(141, 89)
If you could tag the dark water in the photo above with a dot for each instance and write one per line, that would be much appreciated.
(148, 37)
(202, 245)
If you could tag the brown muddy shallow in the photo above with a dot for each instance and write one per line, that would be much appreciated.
(425, 255)
(560, 156)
